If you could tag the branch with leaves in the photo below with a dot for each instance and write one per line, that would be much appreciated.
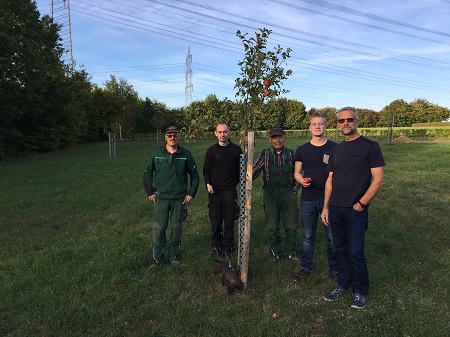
(262, 73)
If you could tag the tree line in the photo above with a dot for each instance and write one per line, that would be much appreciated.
(45, 105)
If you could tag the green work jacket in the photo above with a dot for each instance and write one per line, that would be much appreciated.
(166, 174)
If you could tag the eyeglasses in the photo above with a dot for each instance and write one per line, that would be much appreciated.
(172, 135)
(342, 120)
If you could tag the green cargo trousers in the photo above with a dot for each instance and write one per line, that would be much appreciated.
(280, 205)
(167, 210)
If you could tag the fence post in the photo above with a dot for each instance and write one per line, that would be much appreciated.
(112, 145)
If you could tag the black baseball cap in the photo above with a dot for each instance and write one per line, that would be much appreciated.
(172, 129)
(277, 132)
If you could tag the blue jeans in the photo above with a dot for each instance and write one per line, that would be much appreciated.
(310, 215)
(349, 230)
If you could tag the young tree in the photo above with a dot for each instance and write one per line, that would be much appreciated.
(261, 75)
(260, 65)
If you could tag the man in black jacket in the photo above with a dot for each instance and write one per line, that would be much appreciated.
(221, 175)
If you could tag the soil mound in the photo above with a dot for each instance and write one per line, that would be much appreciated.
(403, 139)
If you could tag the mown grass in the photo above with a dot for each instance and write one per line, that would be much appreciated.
(75, 243)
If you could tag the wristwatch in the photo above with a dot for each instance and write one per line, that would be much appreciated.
(364, 206)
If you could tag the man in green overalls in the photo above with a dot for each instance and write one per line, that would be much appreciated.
(167, 186)
(280, 195)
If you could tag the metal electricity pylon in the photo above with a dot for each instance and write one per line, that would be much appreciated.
(60, 12)
(189, 86)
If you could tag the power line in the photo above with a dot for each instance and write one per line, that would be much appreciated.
(331, 46)
(340, 49)
(319, 37)
(136, 68)
(152, 24)
(388, 53)
(366, 15)
(360, 23)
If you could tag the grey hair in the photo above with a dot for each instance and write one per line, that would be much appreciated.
(348, 108)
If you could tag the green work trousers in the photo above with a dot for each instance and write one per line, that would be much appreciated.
(167, 210)
(280, 205)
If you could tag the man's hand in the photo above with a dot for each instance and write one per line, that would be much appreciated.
(324, 217)
(210, 188)
(187, 199)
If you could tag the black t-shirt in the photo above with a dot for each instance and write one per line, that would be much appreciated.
(314, 165)
(350, 163)
(221, 166)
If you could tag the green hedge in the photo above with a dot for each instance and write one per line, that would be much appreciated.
(376, 133)
(410, 132)
(444, 124)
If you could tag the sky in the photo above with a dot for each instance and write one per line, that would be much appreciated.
(362, 53)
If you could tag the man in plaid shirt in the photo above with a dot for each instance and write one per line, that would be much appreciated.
(280, 194)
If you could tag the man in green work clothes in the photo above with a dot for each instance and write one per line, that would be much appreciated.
(280, 194)
(166, 184)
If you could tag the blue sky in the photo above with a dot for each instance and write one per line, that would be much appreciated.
(363, 53)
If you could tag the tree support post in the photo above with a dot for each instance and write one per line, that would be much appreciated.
(245, 221)
(391, 129)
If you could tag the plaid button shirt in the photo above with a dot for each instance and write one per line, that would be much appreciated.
(262, 165)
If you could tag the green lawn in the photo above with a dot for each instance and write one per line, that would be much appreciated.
(75, 243)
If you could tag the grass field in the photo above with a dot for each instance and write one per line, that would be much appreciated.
(75, 244)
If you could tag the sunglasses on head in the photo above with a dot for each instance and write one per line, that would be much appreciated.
(172, 135)
(342, 120)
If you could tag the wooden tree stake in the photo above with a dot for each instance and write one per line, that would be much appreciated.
(248, 207)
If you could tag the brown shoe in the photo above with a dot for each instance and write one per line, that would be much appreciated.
(175, 262)
(292, 258)
(301, 274)
(154, 264)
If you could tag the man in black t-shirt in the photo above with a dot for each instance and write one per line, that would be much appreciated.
(221, 175)
(310, 171)
(356, 175)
